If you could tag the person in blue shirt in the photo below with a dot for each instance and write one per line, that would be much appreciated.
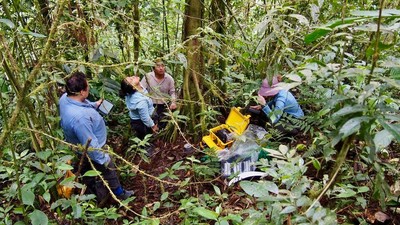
(140, 106)
(281, 106)
(80, 122)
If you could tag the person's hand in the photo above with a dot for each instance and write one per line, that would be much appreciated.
(256, 107)
(172, 106)
(279, 78)
(261, 100)
(155, 128)
(98, 102)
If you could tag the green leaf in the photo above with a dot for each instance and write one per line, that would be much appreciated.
(64, 166)
(259, 189)
(164, 196)
(156, 206)
(302, 19)
(217, 190)
(322, 31)
(316, 163)
(44, 154)
(91, 173)
(288, 209)
(395, 131)
(375, 13)
(383, 138)
(38, 218)
(347, 193)
(77, 211)
(352, 126)
(7, 22)
(28, 32)
(348, 110)
(211, 215)
(27, 196)
(46, 196)
(363, 189)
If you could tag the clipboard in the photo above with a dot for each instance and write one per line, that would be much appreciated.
(105, 107)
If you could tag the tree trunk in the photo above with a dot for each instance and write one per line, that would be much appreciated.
(218, 14)
(192, 81)
(136, 31)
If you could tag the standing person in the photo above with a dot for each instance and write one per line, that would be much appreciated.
(281, 106)
(161, 88)
(140, 106)
(80, 122)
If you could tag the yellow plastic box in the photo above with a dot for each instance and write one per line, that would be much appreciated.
(236, 123)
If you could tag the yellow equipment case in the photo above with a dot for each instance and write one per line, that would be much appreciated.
(235, 124)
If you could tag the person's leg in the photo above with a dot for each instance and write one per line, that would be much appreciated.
(110, 175)
(140, 129)
(160, 115)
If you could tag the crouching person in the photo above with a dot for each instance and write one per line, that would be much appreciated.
(81, 122)
(280, 107)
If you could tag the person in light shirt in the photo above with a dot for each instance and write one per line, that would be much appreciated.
(140, 107)
(279, 105)
(81, 122)
(161, 89)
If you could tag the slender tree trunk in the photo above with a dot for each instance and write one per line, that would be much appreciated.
(192, 81)
(136, 31)
(218, 14)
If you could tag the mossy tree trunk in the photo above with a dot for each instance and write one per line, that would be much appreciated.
(192, 81)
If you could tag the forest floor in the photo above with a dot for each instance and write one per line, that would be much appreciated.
(148, 190)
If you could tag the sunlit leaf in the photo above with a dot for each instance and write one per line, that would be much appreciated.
(346, 193)
(7, 22)
(288, 209)
(211, 215)
(27, 32)
(64, 166)
(91, 173)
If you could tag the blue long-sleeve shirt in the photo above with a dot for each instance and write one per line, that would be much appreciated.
(81, 121)
(283, 102)
(140, 107)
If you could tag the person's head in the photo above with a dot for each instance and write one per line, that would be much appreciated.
(128, 86)
(77, 85)
(268, 90)
(159, 67)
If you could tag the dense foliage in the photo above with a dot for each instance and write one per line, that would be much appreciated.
(340, 58)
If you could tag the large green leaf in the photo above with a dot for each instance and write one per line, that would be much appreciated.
(259, 189)
(352, 126)
(7, 22)
(348, 110)
(375, 13)
(322, 31)
(392, 128)
(38, 218)
(211, 215)
(383, 138)
(27, 196)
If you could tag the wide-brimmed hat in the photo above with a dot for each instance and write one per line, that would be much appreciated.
(269, 90)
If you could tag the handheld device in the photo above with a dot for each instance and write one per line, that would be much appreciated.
(105, 107)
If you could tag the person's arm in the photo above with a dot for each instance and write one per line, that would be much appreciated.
(279, 103)
(83, 128)
(172, 93)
